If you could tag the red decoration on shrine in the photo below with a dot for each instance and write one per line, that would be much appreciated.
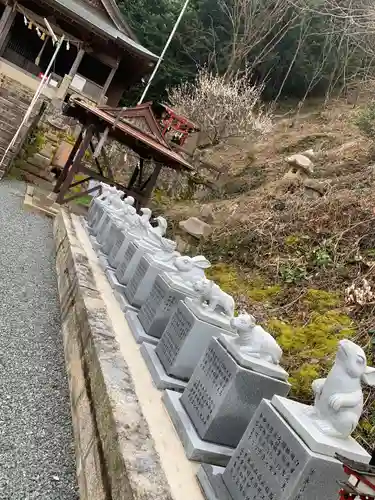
(179, 125)
(361, 481)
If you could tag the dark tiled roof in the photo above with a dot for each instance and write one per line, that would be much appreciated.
(95, 20)
(156, 145)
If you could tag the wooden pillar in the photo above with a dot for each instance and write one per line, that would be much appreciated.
(146, 193)
(107, 84)
(69, 161)
(77, 62)
(89, 132)
(6, 22)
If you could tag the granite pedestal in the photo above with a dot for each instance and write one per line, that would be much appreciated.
(127, 258)
(273, 462)
(219, 401)
(105, 228)
(103, 261)
(137, 329)
(195, 448)
(119, 290)
(116, 226)
(119, 247)
(161, 303)
(142, 280)
(102, 219)
(184, 340)
(160, 378)
(299, 416)
(137, 249)
(95, 244)
(96, 214)
(85, 224)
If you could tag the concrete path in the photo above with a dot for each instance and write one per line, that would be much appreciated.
(36, 441)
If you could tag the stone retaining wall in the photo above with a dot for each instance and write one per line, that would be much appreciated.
(116, 457)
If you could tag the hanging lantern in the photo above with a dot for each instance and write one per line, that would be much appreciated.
(39, 33)
(25, 20)
(67, 45)
(30, 25)
(43, 37)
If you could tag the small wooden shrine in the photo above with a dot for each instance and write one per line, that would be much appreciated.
(177, 127)
(135, 128)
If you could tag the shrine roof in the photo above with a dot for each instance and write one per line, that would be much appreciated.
(106, 26)
(137, 128)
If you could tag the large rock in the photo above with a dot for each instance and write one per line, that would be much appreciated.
(315, 185)
(196, 227)
(302, 163)
(309, 153)
(207, 214)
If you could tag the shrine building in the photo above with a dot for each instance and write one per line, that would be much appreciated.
(99, 59)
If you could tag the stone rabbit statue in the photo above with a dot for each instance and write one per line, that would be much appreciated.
(254, 340)
(191, 269)
(213, 297)
(338, 398)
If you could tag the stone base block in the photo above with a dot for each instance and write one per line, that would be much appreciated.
(137, 329)
(85, 225)
(211, 482)
(160, 378)
(272, 462)
(103, 262)
(195, 448)
(124, 304)
(300, 417)
(94, 243)
(114, 282)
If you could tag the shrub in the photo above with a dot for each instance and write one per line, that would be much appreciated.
(222, 108)
(366, 120)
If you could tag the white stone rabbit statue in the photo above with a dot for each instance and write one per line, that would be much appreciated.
(338, 398)
(191, 269)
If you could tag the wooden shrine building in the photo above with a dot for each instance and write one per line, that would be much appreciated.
(135, 128)
(101, 56)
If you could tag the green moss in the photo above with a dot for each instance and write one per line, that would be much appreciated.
(309, 347)
(33, 144)
(302, 379)
(320, 300)
(228, 278)
(292, 240)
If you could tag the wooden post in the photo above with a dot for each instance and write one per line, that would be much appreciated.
(146, 193)
(77, 62)
(6, 22)
(107, 84)
(76, 163)
(69, 161)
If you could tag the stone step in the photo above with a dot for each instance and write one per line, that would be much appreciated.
(13, 103)
(8, 120)
(39, 161)
(15, 98)
(8, 127)
(12, 108)
(34, 170)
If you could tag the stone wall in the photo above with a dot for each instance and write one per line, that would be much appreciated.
(15, 99)
(116, 458)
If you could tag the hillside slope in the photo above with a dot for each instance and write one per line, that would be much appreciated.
(289, 252)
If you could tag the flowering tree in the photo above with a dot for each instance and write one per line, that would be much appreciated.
(222, 108)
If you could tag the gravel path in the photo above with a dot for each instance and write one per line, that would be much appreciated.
(36, 440)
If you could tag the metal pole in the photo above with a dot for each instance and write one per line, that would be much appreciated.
(39, 90)
(164, 51)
